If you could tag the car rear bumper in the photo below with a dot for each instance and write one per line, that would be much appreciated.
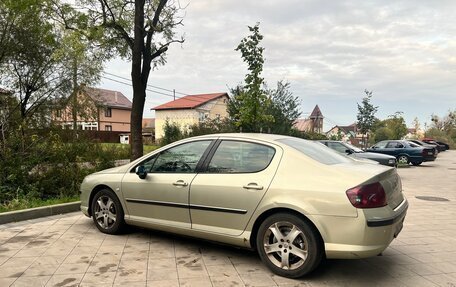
(371, 238)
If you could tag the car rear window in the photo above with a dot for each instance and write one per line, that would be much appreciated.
(315, 150)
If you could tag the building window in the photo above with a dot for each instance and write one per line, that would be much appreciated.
(108, 112)
(203, 116)
(108, 128)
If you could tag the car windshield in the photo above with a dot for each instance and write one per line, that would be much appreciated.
(315, 150)
(354, 148)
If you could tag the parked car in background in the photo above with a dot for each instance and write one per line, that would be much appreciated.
(405, 151)
(355, 152)
(423, 144)
(293, 200)
(440, 145)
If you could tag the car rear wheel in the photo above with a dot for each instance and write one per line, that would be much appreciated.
(415, 163)
(403, 159)
(288, 245)
(107, 212)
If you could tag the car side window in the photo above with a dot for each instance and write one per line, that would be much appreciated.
(240, 157)
(180, 159)
(392, 145)
(337, 147)
(148, 163)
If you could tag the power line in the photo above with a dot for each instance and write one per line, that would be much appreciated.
(128, 84)
(157, 92)
(156, 87)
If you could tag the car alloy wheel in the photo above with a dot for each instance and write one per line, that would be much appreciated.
(403, 159)
(288, 245)
(107, 212)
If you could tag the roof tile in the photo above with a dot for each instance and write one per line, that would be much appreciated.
(190, 101)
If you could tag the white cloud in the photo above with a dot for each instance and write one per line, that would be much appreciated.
(330, 51)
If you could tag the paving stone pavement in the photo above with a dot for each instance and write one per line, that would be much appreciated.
(68, 250)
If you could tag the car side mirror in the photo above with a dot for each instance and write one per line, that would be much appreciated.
(348, 151)
(141, 171)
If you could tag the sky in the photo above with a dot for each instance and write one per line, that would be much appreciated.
(329, 52)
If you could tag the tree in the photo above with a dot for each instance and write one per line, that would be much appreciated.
(417, 126)
(366, 118)
(250, 103)
(383, 133)
(140, 31)
(33, 74)
(396, 124)
(284, 108)
(83, 64)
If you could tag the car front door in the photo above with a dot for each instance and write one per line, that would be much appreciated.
(162, 196)
(238, 174)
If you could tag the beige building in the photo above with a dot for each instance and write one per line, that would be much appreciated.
(190, 110)
(97, 109)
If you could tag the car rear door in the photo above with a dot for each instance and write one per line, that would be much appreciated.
(237, 175)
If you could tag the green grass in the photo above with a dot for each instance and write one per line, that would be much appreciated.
(23, 203)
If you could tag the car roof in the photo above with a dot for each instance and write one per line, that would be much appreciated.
(257, 136)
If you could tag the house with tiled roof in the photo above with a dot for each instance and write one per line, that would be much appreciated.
(348, 134)
(314, 123)
(96, 109)
(190, 110)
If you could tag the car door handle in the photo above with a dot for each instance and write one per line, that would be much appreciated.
(180, 183)
(253, 185)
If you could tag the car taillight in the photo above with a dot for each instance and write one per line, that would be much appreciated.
(367, 196)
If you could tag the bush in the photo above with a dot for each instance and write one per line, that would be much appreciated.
(44, 166)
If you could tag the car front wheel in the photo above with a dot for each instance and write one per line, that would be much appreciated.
(107, 212)
(288, 245)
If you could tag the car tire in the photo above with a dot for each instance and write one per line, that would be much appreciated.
(107, 212)
(285, 234)
(403, 159)
(416, 163)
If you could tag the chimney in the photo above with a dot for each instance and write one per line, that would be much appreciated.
(115, 95)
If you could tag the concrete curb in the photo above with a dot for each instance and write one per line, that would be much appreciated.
(31, 213)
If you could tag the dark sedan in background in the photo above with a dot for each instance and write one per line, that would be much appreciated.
(440, 145)
(355, 152)
(423, 144)
(405, 151)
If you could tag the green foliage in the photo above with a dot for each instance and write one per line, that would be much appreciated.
(366, 112)
(396, 124)
(31, 202)
(211, 126)
(284, 108)
(43, 166)
(392, 128)
(307, 135)
(251, 102)
(255, 108)
(444, 129)
(381, 134)
(172, 133)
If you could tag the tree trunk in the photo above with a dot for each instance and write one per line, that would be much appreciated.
(139, 87)
(74, 109)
